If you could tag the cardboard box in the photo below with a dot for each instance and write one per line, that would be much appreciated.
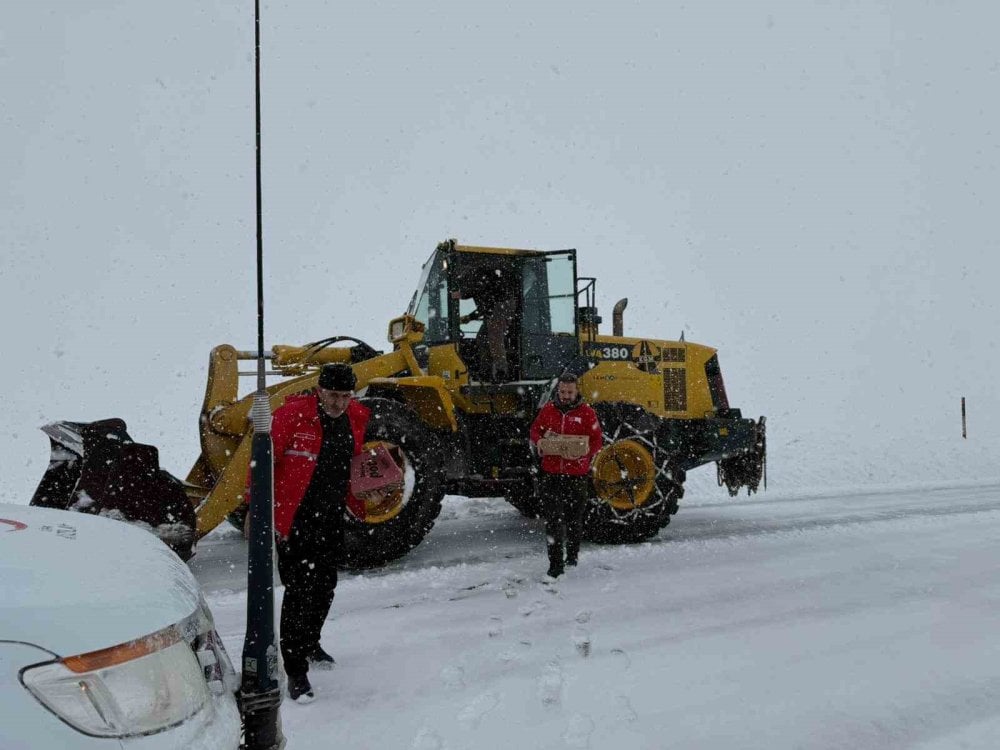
(374, 473)
(565, 446)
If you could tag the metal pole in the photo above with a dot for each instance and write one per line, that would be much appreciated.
(260, 692)
(964, 433)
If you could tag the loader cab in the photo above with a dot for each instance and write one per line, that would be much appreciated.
(511, 314)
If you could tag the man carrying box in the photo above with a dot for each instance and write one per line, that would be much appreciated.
(567, 435)
(316, 438)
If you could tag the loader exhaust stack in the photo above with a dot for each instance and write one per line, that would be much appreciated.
(617, 316)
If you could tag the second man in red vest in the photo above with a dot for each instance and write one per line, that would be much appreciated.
(564, 482)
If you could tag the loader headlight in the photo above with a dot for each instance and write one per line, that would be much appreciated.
(136, 688)
(397, 329)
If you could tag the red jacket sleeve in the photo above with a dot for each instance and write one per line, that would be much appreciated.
(538, 426)
(595, 433)
(282, 429)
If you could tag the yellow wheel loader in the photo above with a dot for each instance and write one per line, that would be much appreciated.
(473, 358)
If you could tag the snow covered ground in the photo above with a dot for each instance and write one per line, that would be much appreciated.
(842, 621)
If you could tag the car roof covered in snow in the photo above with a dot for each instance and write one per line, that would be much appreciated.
(73, 583)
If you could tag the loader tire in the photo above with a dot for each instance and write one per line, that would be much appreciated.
(636, 486)
(393, 528)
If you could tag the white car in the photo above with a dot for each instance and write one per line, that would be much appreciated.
(105, 640)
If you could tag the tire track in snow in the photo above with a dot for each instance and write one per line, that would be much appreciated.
(515, 541)
(744, 527)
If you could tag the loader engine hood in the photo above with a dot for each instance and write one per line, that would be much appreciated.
(74, 583)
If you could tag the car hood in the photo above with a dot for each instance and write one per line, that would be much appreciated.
(73, 583)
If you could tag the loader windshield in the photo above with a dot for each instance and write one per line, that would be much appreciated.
(430, 302)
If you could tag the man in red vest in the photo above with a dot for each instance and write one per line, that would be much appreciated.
(564, 483)
(314, 436)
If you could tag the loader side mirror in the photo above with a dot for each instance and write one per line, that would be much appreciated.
(589, 317)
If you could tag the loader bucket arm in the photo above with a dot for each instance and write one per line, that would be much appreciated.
(228, 429)
(96, 467)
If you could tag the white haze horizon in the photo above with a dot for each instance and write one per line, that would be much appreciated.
(805, 186)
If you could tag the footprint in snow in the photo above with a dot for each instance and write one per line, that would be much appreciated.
(625, 711)
(551, 588)
(550, 684)
(621, 657)
(578, 731)
(466, 591)
(529, 609)
(508, 656)
(427, 739)
(514, 654)
(477, 708)
(581, 633)
(510, 586)
(496, 627)
(453, 676)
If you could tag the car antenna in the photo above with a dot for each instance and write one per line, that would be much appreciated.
(260, 690)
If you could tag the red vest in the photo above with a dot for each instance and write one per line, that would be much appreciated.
(297, 435)
(580, 420)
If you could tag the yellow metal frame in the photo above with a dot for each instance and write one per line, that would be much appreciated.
(624, 381)
(426, 395)
(217, 481)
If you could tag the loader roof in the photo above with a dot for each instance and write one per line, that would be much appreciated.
(494, 250)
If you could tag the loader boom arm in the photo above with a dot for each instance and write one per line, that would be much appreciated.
(217, 481)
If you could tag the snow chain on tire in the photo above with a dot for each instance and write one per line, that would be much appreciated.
(607, 524)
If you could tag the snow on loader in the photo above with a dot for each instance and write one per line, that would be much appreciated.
(475, 354)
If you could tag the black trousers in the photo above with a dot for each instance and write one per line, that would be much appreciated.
(307, 564)
(564, 499)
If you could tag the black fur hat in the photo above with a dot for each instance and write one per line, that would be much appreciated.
(337, 377)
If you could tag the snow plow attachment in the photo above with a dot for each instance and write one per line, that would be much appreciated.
(749, 468)
(96, 468)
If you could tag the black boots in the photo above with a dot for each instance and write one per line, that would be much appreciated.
(556, 567)
(299, 689)
(319, 659)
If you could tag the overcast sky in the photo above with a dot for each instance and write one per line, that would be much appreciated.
(809, 186)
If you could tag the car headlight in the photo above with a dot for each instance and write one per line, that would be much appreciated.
(139, 687)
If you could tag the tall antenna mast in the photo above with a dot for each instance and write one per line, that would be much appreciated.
(260, 691)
